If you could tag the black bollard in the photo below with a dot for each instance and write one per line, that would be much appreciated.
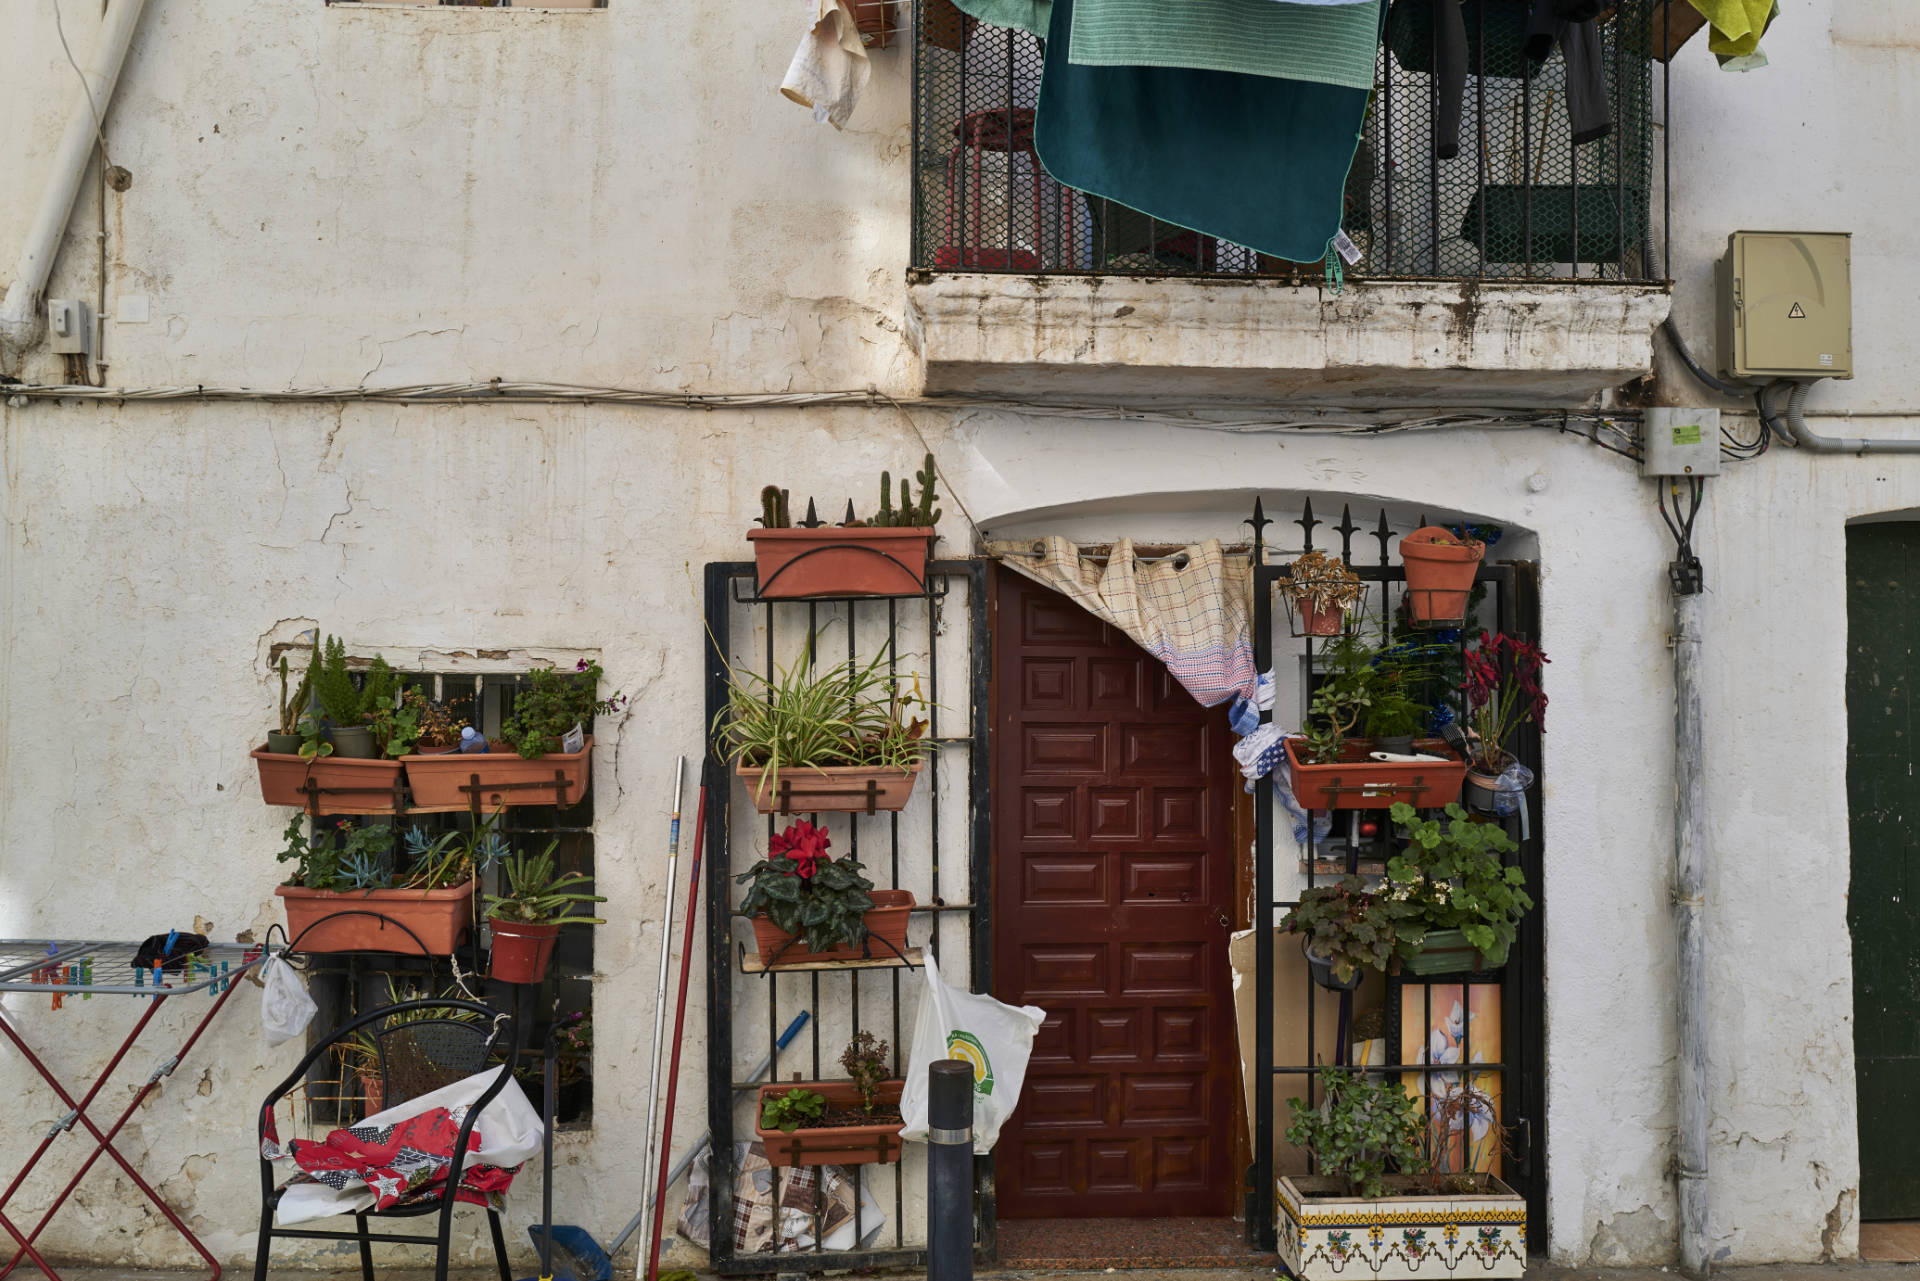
(950, 1171)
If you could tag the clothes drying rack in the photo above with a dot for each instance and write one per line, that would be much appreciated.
(68, 971)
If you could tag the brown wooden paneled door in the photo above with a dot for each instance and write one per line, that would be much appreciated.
(1112, 907)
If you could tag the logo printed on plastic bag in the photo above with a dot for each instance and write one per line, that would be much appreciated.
(966, 1047)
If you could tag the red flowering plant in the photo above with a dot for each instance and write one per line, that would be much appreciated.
(1502, 689)
(805, 893)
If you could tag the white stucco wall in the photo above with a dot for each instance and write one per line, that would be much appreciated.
(331, 196)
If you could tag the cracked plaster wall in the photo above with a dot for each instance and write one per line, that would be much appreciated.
(325, 195)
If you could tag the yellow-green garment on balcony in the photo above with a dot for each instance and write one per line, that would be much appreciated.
(1737, 24)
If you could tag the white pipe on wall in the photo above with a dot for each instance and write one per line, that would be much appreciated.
(20, 313)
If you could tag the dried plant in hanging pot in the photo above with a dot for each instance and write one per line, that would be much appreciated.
(1320, 591)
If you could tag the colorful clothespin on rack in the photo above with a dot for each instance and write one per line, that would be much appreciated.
(86, 978)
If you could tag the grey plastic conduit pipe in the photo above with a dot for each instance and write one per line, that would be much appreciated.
(20, 312)
(1805, 437)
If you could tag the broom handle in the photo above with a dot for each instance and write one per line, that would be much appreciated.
(679, 1028)
(666, 959)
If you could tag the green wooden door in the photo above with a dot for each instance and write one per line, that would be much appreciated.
(1883, 905)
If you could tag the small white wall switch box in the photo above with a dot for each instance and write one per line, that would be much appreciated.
(69, 328)
(132, 309)
(1680, 442)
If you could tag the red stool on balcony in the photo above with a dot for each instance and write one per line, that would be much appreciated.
(988, 232)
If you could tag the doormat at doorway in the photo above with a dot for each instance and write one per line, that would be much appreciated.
(1090, 1244)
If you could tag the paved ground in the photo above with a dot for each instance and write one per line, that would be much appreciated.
(1805, 1272)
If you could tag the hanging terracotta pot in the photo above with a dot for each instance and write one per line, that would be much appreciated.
(836, 561)
(886, 922)
(1440, 572)
(868, 1144)
(1316, 621)
(839, 789)
(521, 952)
(374, 917)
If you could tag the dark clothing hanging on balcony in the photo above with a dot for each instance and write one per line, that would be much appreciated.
(1450, 69)
(1588, 109)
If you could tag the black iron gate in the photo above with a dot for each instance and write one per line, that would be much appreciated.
(1507, 598)
(952, 617)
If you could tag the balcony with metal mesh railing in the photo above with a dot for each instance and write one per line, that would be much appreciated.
(1519, 202)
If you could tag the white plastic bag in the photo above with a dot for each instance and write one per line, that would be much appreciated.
(994, 1037)
(285, 1007)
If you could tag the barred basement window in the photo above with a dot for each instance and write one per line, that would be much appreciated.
(346, 985)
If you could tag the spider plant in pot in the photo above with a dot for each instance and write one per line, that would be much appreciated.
(837, 738)
(526, 920)
(1467, 901)
(1320, 591)
(1502, 693)
(1345, 930)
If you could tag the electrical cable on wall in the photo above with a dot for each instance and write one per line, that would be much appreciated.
(1684, 571)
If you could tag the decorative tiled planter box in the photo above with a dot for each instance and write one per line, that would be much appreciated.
(1327, 1234)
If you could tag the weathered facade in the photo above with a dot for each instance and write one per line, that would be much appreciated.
(352, 196)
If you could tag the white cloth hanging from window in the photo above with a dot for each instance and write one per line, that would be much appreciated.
(1191, 611)
(830, 68)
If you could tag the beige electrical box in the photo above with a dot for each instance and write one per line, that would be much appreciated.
(1786, 305)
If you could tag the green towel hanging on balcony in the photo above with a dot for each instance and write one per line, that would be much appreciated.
(1254, 160)
(1327, 44)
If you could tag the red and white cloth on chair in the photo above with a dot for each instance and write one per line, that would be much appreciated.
(405, 1154)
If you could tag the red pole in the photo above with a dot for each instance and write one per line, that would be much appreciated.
(679, 1027)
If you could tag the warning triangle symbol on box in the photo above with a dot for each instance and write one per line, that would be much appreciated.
(1798, 313)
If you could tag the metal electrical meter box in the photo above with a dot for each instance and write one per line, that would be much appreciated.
(1680, 442)
(1786, 305)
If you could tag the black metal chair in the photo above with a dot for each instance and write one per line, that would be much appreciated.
(421, 1046)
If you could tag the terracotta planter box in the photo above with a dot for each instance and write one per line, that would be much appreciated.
(886, 922)
(1409, 1234)
(340, 779)
(1373, 785)
(832, 561)
(506, 778)
(521, 953)
(844, 1145)
(839, 789)
(438, 917)
(1440, 573)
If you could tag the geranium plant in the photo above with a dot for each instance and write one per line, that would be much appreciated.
(1350, 928)
(1502, 689)
(1452, 874)
(806, 893)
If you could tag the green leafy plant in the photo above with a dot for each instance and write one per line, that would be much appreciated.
(857, 714)
(553, 702)
(788, 1112)
(1452, 873)
(865, 1061)
(805, 893)
(1361, 1129)
(1394, 713)
(313, 738)
(397, 728)
(536, 895)
(1350, 928)
(356, 856)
